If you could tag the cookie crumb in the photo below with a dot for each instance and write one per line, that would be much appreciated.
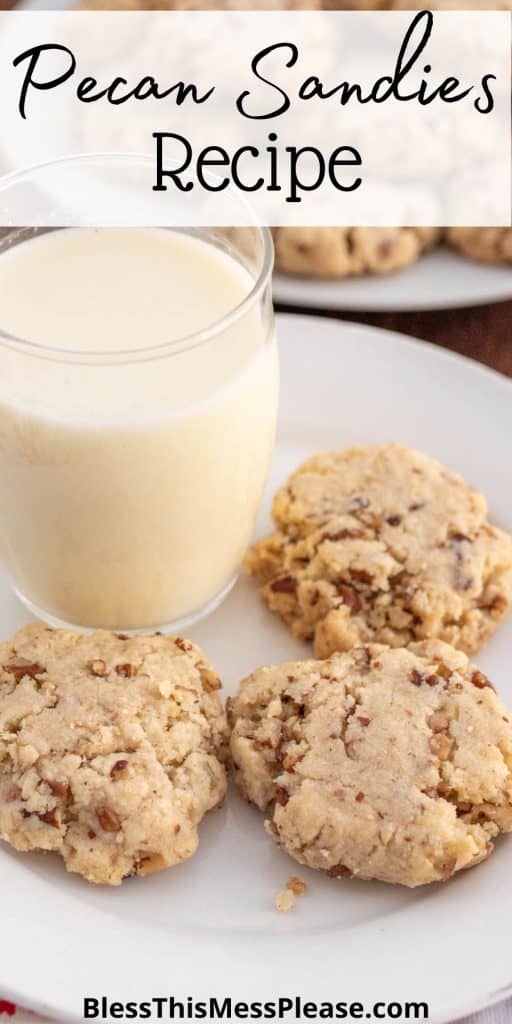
(285, 900)
(297, 886)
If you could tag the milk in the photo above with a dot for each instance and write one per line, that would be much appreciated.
(130, 473)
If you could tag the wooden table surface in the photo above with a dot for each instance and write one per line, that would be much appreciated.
(480, 332)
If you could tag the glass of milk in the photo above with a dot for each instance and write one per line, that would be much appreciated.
(138, 399)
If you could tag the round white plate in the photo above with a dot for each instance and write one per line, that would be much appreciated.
(209, 927)
(441, 279)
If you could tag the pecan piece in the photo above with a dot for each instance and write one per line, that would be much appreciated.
(282, 796)
(361, 575)
(447, 869)
(350, 598)
(480, 680)
(21, 667)
(434, 679)
(441, 745)
(288, 761)
(284, 585)
(339, 871)
(438, 721)
(363, 720)
(151, 863)
(394, 520)
(443, 671)
(50, 817)
(118, 768)
(210, 680)
(127, 671)
(386, 247)
(183, 645)
(108, 820)
(366, 655)
(59, 788)
(497, 607)
(416, 677)
(345, 534)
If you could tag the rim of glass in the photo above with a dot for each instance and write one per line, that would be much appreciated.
(151, 352)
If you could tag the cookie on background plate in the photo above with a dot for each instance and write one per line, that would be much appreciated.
(378, 763)
(412, 5)
(111, 749)
(451, 5)
(198, 5)
(383, 544)
(356, 5)
(487, 245)
(339, 252)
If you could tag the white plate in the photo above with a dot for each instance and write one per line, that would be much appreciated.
(209, 927)
(441, 279)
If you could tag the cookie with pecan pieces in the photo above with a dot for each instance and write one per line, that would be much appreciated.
(111, 749)
(383, 763)
(340, 252)
(486, 245)
(383, 544)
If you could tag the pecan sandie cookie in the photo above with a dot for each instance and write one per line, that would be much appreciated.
(338, 252)
(487, 245)
(111, 749)
(377, 763)
(382, 543)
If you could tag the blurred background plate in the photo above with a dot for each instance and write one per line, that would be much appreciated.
(441, 279)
